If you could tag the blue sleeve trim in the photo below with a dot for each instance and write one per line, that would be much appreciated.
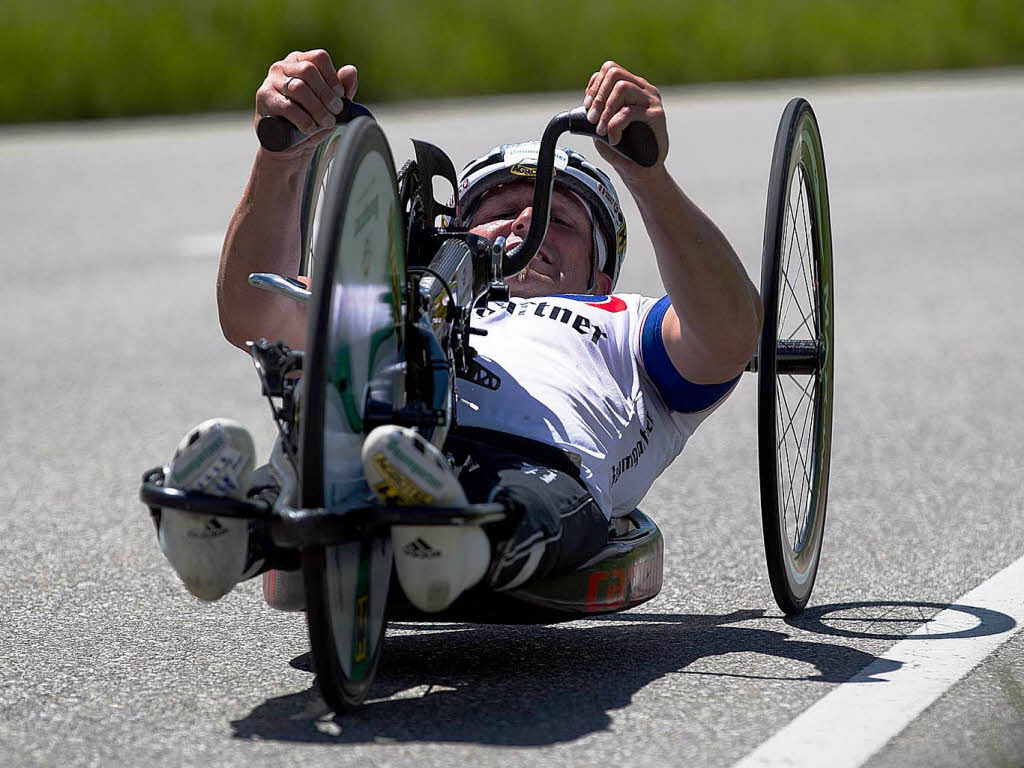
(678, 393)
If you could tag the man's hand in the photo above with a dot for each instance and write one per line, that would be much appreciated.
(306, 89)
(615, 98)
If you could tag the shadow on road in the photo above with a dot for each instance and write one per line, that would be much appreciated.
(898, 619)
(526, 685)
(531, 685)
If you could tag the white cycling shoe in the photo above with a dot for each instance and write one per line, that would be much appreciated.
(435, 564)
(208, 552)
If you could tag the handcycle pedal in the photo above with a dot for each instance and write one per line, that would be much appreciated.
(155, 495)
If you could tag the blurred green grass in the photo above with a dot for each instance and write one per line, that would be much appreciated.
(70, 59)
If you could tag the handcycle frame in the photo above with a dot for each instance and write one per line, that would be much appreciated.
(437, 317)
(450, 271)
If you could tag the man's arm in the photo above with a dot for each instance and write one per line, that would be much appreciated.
(263, 235)
(712, 329)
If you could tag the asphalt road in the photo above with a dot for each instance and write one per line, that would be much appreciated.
(109, 239)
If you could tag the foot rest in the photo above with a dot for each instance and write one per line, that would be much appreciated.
(155, 496)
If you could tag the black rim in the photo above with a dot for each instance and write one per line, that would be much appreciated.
(796, 359)
(352, 348)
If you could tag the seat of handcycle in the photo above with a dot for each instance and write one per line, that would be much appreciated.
(626, 572)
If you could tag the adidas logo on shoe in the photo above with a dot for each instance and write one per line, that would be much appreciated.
(401, 467)
(419, 548)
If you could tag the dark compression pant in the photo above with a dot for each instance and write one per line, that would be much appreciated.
(556, 525)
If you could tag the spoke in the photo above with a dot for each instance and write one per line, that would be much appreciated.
(806, 481)
(785, 274)
(784, 444)
(804, 388)
(799, 206)
(798, 501)
(785, 497)
(792, 467)
(792, 474)
(812, 292)
(805, 394)
(785, 265)
(793, 243)
(805, 474)
(796, 300)
(792, 415)
(789, 414)
(808, 397)
(810, 245)
(803, 324)
(789, 228)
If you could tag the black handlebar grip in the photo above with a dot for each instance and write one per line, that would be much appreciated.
(277, 134)
(638, 142)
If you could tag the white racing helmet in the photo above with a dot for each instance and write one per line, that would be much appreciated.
(518, 162)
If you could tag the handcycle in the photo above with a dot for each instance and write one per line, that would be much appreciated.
(395, 279)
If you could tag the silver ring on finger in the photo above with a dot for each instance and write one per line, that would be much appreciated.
(288, 83)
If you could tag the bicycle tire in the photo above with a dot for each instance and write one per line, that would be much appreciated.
(796, 359)
(313, 190)
(353, 348)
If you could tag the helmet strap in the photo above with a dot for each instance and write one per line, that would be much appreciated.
(597, 255)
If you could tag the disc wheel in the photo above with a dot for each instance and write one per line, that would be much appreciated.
(795, 361)
(318, 177)
(353, 351)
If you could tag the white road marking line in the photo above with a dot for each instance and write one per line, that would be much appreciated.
(195, 246)
(849, 725)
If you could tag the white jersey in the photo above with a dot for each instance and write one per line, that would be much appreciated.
(588, 374)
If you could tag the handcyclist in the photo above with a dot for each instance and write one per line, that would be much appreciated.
(579, 397)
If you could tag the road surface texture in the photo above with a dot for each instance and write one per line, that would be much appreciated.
(109, 240)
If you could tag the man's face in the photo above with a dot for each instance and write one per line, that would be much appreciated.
(563, 263)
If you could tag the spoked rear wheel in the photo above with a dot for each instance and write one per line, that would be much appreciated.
(795, 361)
(353, 349)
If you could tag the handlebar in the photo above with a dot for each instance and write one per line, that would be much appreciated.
(277, 134)
(638, 144)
